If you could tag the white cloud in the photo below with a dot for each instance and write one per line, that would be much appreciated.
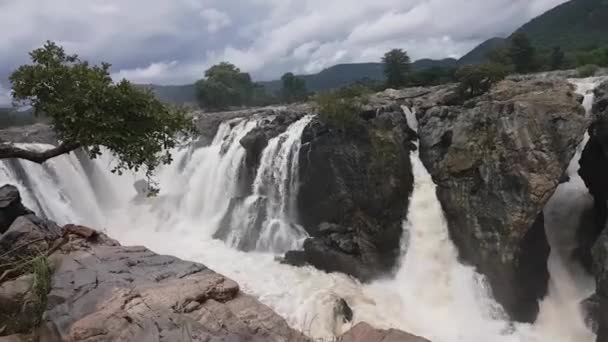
(216, 20)
(172, 42)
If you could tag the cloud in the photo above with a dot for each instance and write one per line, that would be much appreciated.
(216, 20)
(171, 42)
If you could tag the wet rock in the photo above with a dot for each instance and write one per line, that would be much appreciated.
(591, 311)
(363, 332)
(496, 163)
(10, 207)
(354, 192)
(342, 310)
(593, 171)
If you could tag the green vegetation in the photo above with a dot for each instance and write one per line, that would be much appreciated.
(587, 70)
(42, 284)
(522, 53)
(88, 110)
(294, 88)
(225, 86)
(476, 80)
(385, 153)
(341, 108)
(396, 67)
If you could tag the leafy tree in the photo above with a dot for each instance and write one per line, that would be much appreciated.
(294, 88)
(558, 58)
(476, 80)
(88, 110)
(432, 76)
(521, 53)
(396, 66)
(224, 86)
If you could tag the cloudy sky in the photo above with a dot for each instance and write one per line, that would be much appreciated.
(174, 41)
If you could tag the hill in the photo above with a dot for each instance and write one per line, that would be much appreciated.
(479, 53)
(574, 25)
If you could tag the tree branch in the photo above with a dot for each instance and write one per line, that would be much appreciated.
(11, 151)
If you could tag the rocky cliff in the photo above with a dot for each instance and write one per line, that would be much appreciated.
(496, 161)
(594, 171)
(354, 192)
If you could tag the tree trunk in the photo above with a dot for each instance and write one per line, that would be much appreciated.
(10, 151)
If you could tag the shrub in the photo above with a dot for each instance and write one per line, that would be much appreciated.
(340, 108)
(476, 80)
(587, 70)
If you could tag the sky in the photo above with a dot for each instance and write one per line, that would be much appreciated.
(175, 41)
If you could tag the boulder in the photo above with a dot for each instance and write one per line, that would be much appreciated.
(10, 207)
(363, 332)
(17, 306)
(496, 161)
(106, 292)
(355, 186)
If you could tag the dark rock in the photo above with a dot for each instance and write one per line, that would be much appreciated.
(591, 311)
(363, 332)
(354, 193)
(593, 171)
(233, 221)
(496, 165)
(254, 143)
(10, 207)
(34, 233)
(343, 310)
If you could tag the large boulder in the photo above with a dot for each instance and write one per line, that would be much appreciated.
(363, 332)
(353, 198)
(496, 161)
(106, 292)
(10, 206)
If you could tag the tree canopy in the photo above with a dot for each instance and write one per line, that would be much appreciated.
(294, 88)
(225, 85)
(88, 110)
(521, 53)
(396, 66)
(475, 80)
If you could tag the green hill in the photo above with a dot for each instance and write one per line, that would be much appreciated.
(574, 25)
(479, 53)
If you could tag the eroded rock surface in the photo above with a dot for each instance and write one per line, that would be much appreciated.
(363, 332)
(496, 161)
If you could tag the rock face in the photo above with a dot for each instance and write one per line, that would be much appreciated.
(10, 206)
(363, 332)
(496, 161)
(354, 194)
(101, 291)
(594, 171)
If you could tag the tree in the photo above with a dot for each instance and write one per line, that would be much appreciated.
(294, 88)
(521, 53)
(88, 110)
(476, 80)
(224, 86)
(396, 66)
(557, 59)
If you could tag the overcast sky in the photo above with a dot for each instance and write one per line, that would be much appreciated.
(174, 41)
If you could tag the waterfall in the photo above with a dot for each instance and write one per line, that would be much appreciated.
(431, 295)
(569, 284)
(267, 219)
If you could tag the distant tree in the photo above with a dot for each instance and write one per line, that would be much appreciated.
(432, 76)
(396, 66)
(558, 58)
(294, 88)
(88, 110)
(224, 85)
(521, 53)
(499, 56)
(588, 70)
(476, 80)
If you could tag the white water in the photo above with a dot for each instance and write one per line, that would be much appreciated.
(432, 295)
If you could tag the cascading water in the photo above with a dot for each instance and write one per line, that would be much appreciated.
(266, 219)
(432, 294)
